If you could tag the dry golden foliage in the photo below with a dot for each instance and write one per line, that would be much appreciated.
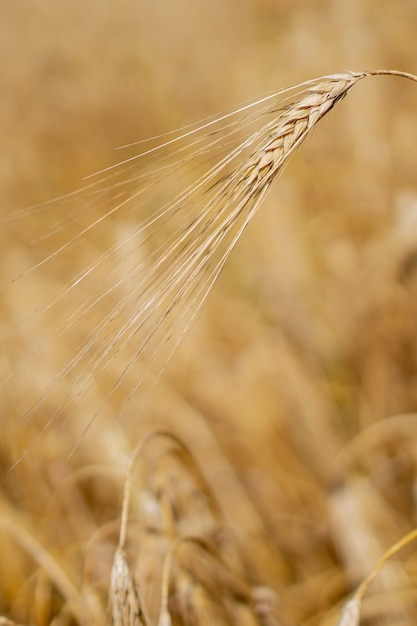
(201, 576)
(93, 309)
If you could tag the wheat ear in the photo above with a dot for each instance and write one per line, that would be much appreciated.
(292, 127)
(125, 605)
(187, 265)
(162, 293)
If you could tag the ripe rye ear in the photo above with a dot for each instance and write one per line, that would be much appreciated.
(159, 271)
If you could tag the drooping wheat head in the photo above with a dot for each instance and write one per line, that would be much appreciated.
(158, 272)
(166, 252)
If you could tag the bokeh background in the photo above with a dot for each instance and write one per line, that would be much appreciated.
(296, 387)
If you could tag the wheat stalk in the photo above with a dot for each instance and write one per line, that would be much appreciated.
(351, 611)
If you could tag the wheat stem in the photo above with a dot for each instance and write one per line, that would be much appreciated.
(396, 547)
(391, 73)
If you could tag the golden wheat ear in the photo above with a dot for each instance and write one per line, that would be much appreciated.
(160, 271)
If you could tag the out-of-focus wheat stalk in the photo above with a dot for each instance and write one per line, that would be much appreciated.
(200, 576)
(351, 612)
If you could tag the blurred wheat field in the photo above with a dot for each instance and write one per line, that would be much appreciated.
(294, 390)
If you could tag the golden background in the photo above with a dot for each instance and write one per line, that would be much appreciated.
(295, 389)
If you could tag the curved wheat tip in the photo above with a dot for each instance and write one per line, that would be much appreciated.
(125, 606)
(189, 461)
(351, 613)
(128, 480)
